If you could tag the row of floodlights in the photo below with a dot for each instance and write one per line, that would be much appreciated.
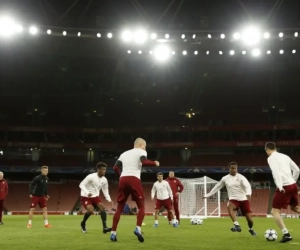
(163, 52)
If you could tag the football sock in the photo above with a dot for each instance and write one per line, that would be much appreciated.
(236, 223)
(86, 216)
(103, 218)
(46, 222)
(156, 221)
(30, 222)
(285, 231)
(138, 228)
(114, 232)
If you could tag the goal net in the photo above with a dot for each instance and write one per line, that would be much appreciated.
(191, 204)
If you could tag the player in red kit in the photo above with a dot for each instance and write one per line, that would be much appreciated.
(177, 188)
(130, 183)
(3, 194)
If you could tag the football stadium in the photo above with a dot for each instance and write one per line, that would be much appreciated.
(137, 124)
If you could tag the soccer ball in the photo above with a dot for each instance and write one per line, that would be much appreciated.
(196, 221)
(271, 235)
(176, 221)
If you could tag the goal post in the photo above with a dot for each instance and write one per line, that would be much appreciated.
(191, 202)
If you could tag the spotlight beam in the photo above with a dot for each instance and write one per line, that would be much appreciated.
(163, 14)
(66, 12)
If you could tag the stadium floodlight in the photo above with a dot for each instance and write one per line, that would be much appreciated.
(269, 52)
(281, 51)
(162, 53)
(221, 52)
(280, 34)
(194, 36)
(109, 35)
(49, 32)
(266, 35)
(64, 33)
(244, 52)
(129, 51)
(184, 52)
(150, 52)
(19, 28)
(79, 34)
(140, 52)
(195, 52)
(293, 51)
(231, 52)
(222, 36)
(236, 36)
(256, 52)
(209, 36)
(251, 36)
(33, 30)
(8, 27)
(173, 52)
(183, 36)
(167, 36)
(98, 35)
(153, 36)
(140, 36)
(207, 52)
(126, 36)
(296, 34)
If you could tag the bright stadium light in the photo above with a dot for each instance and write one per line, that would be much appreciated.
(251, 36)
(236, 36)
(231, 52)
(64, 33)
(140, 52)
(162, 53)
(280, 34)
(109, 35)
(153, 36)
(150, 52)
(221, 52)
(126, 36)
(209, 36)
(140, 36)
(98, 35)
(296, 34)
(269, 52)
(281, 51)
(256, 52)
(222, 36)
(173, 53)
(207, 52)
(167, 36)
(8, 27)
(184, 52)
(266, 35)
(244, 52)
(294, 51)
(49, 32)
(33, 30)
(129, 51)
(183, 36)
(195, 52)
(194, 36)
(79, 34)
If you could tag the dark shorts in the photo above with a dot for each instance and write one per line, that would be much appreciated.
(85, 201)
(289, 197)
(41, 200)
(244, 206)
(163, 203)
(130, 185)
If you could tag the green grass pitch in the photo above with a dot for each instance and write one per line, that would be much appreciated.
(213, 234)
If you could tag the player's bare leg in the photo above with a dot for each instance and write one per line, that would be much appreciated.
(250, 224)
(45, 215)
(279, 221)
(30, 216)
(156, 218)
(103, 216)
(88, 213)
(232, 213)
(171, 214)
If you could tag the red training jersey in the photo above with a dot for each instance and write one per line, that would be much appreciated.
(175, 185)
(3, 189)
